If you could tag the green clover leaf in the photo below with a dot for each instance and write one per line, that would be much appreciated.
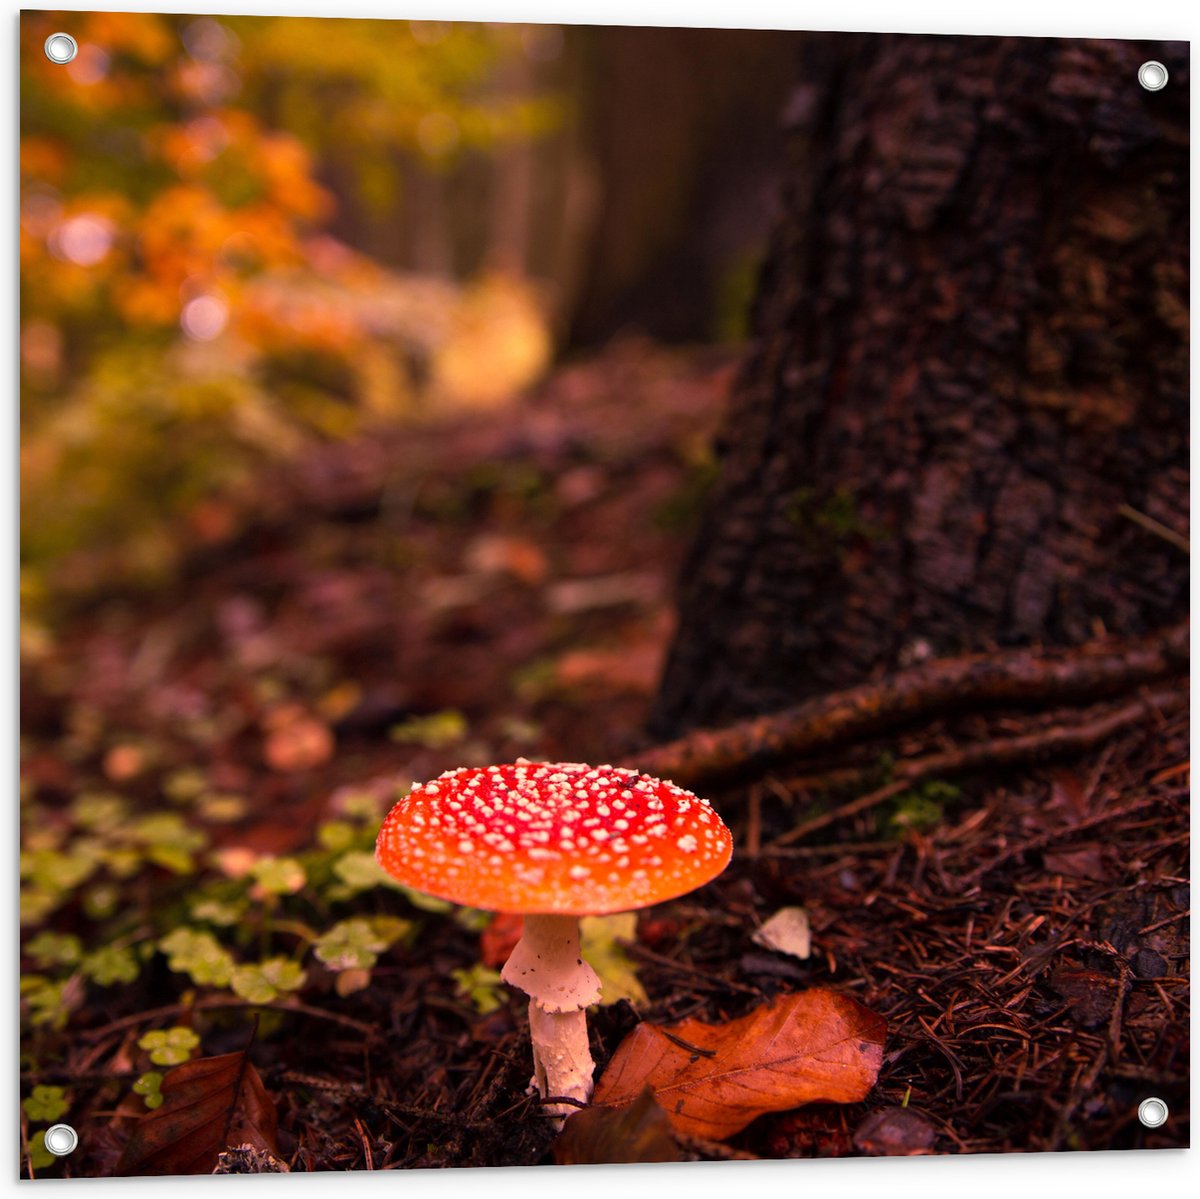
(122, 862)
(183, 785)
(99, 812)
(46, 1104)
(481, 986)
(60, 873)
(214, 911)
(278, 876)
(40, 1158)
(356, 944)
(54, 949)
(439, 730)
(198, 955)
(336, 835)
(169, 1046)
(101, 901)
(264, 981)
(47, 1001)
(361, 805)
(37, 904)
(169, 841)
(359, 870)
(220, 808)
(149, 1087)
(110, 965)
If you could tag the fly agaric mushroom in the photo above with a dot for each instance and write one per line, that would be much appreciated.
(554, 841)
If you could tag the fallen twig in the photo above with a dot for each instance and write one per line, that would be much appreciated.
(1060, 737)
(208, 1005)
(1024, 676)
(1045, 840)
(864, 803)
(703, 977)
(687, 1045)
(1156, 527)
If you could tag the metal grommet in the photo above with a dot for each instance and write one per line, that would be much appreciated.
(61, 1139)
(1152, 1112)
(61, 48)
(1152, 76)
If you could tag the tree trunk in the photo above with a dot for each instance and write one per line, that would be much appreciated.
(967, 404)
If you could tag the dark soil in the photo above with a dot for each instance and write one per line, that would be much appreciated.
(1027, 945)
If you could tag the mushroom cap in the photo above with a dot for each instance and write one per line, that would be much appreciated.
(553, 837)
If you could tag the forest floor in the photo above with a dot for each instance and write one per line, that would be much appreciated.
(497, 585)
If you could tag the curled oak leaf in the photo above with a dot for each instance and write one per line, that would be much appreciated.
(713, 1079)
(208, 1105)
(638, 1132)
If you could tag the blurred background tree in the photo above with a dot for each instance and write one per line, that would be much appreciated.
(242, 236)
(185, 310)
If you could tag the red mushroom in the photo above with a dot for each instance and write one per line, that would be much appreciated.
(554, 841)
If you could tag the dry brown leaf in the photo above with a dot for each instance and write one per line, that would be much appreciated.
(347, 982)
(639, 1132)
(895, 1132)
(1089, 993)
(633, 667)
(713, 1079)
(500, 937)
(572, 596)
(494, 554)
(787, 932)
(213, 520)
(1077, 863)
(296, 740)
(123, 762)
(209, 1105)
(1068, 792)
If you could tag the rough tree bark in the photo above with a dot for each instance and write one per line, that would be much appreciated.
(969, 386)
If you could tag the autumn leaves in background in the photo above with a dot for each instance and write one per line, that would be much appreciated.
(207, 282)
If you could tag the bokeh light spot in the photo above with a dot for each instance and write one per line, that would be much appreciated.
(204, 318)
(84, 239)
(90, 66)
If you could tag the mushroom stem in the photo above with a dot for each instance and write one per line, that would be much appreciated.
(546, 965)
(562, 1062)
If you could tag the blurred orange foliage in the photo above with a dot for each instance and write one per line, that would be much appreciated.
(185, 308)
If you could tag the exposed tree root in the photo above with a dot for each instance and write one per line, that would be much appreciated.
(1062, 736)
(1027, 677)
